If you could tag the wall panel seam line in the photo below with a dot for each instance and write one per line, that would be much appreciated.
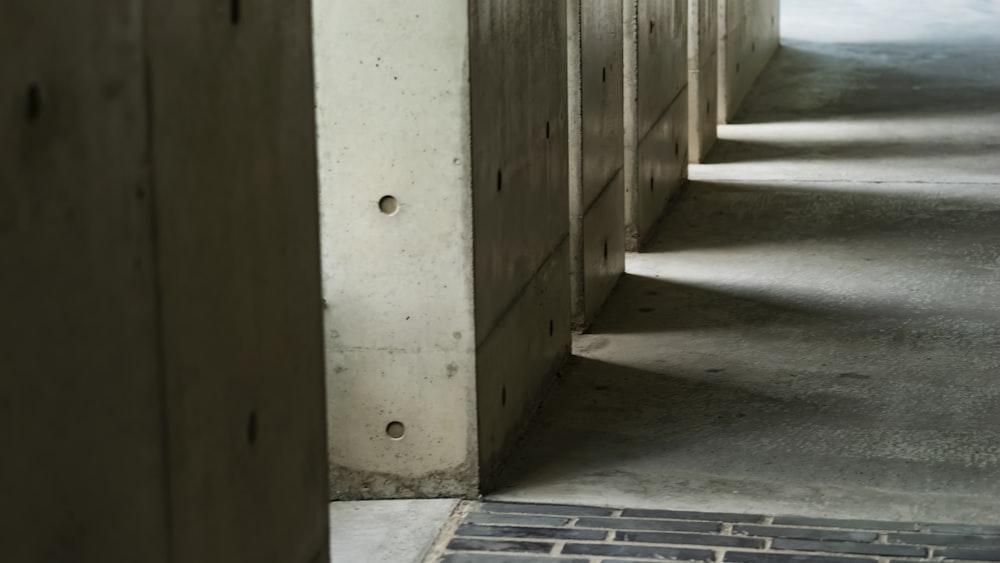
(662, 114)
(522, 290)
(602, 193)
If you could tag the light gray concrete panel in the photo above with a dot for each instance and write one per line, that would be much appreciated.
(518, 77)
(234, 172)
(748, 37)
(394, 122)
(386, 531)
(656, 75)
(596, 151)
(80, 418)
(703, 75)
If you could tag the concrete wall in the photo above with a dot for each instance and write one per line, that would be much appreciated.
(748, 37)
(437, 347)
(161, 397)
(703, 76)
(656, 110)
(597, 198)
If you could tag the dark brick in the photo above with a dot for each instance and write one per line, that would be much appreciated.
(505, 558)
(820, 534)
(687, 515)
(639, 551)
(548, 509)
(689, 539)
(832, 523)
(757, 557)
(516, 532)
(470, 544)
(515, 519)
(968, 529)
(968, 554)
(946, 539)
(649, 525)
(848, 547)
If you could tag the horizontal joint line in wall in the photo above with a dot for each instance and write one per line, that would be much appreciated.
(666, 110)
(520, 292)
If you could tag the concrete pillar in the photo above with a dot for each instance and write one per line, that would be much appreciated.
(656, 111)
(748, 37)
(161, 336)
(703, 76)
(445, 119)
(597, 198)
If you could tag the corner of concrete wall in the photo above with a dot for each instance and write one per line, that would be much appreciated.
(520, 212)
(656, 111)
(596, 159)
(396, 198)
(703, 72)
(749, 35)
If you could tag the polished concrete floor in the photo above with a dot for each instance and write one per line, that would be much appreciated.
(815, 329)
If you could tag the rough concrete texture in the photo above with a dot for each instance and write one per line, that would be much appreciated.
(597, 204)
(748, 37)
(386, 531)
(162, 370)
(814, 331)
(468, 128)
(518, 80)
(703, 77)
(656, 106)
(398, 288)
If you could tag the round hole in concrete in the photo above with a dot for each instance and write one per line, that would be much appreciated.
(395, 430)
(499, 180)
(388, 205)
(252, 427)
(33, 104)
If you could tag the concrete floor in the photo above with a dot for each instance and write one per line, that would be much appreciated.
(386, 531)
(816, 328)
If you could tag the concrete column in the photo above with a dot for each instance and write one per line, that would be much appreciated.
(597, 199)
(748, 37)
(656, 111)
(445, 119)
(703, 76)
(160, 397)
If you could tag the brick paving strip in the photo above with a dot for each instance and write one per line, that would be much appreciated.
(536, 533)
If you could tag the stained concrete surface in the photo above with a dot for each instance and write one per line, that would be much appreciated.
(815, 328)
(386, 531)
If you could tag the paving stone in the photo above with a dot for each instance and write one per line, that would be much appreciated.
(649, 525)
(758, 557)
(690, 539)
(504, 558)
(687, 515)
(946, 540)
(969, 529)
(639, 551)
(967, 554)
(546, 509)
(848, 547)
(821, 534)
(517, 532)
(515, 519)
(832, 523)
(471, 544)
